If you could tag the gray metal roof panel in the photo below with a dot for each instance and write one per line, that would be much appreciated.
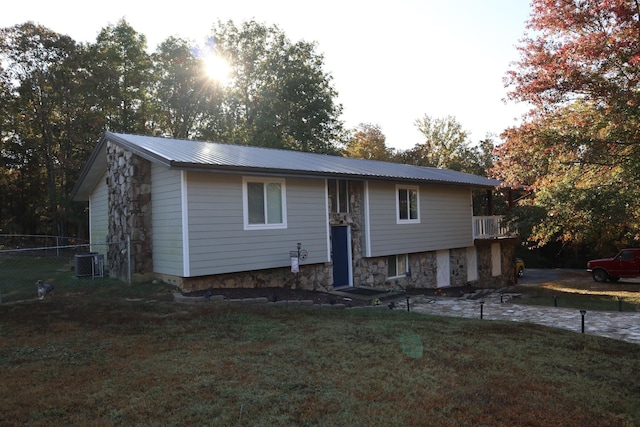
(180, 153)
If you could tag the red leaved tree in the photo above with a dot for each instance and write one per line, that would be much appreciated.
(579, 147)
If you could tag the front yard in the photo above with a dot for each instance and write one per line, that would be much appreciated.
(105, 353)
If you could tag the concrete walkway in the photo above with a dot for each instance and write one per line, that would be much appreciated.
(623, 326)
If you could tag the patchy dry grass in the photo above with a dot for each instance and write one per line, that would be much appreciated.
(579, 290)
(105, 357)
(103, 353)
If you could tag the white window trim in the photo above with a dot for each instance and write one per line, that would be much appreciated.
(406, 187)
(245, 203)
(406, 266)
(367, 220)
(327, 221)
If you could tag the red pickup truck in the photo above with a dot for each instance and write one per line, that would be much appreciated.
(625, 264)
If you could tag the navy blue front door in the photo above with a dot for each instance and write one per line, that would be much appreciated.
(341, 253)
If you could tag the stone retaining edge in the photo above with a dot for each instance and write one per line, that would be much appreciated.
(220, 299)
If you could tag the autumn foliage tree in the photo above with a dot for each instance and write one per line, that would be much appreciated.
(578, 150)
(367, 141)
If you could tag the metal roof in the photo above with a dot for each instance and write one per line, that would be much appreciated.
(214, 156)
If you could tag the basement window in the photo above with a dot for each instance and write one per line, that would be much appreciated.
(398, 265)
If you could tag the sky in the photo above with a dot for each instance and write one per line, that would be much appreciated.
(391, 62)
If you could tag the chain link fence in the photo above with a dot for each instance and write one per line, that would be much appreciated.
(27, 259)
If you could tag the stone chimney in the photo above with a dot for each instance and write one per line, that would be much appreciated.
(129, 201)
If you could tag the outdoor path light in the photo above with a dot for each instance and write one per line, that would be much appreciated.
(298, 272)
(296, 256)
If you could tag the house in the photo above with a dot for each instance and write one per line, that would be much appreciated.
(204, 214)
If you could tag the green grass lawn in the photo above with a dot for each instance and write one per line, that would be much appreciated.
(19, 274)
(578, 290)
(105, 353)
(110, 361)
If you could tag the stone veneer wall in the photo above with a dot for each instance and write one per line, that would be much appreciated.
(423, 269)
(374, 272)
(458, 266)
(129, 196)
(507, 253)
(316, 277)
(484, 264)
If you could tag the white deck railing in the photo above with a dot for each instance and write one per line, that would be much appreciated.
(489, 227)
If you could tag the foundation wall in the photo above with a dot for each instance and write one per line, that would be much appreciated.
(311, 277)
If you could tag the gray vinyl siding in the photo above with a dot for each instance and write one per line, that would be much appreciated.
(445, 220)
(218, 242)
(166, 219)
(99, 216)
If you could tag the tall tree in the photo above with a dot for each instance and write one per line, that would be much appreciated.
(368, 142)
(42, 103)
(57, 96)
(445, 145)
(122, 73)
(185, 99)
(279, 95)
(579, 69)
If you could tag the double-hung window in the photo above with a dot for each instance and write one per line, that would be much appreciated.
(407, 204)
(398, 265)
(264, 203)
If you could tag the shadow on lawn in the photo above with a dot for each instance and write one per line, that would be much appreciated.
(575, 288)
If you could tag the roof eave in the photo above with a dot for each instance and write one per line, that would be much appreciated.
(90, 173)
(81, 192)
(250, 170)
(135, 149)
